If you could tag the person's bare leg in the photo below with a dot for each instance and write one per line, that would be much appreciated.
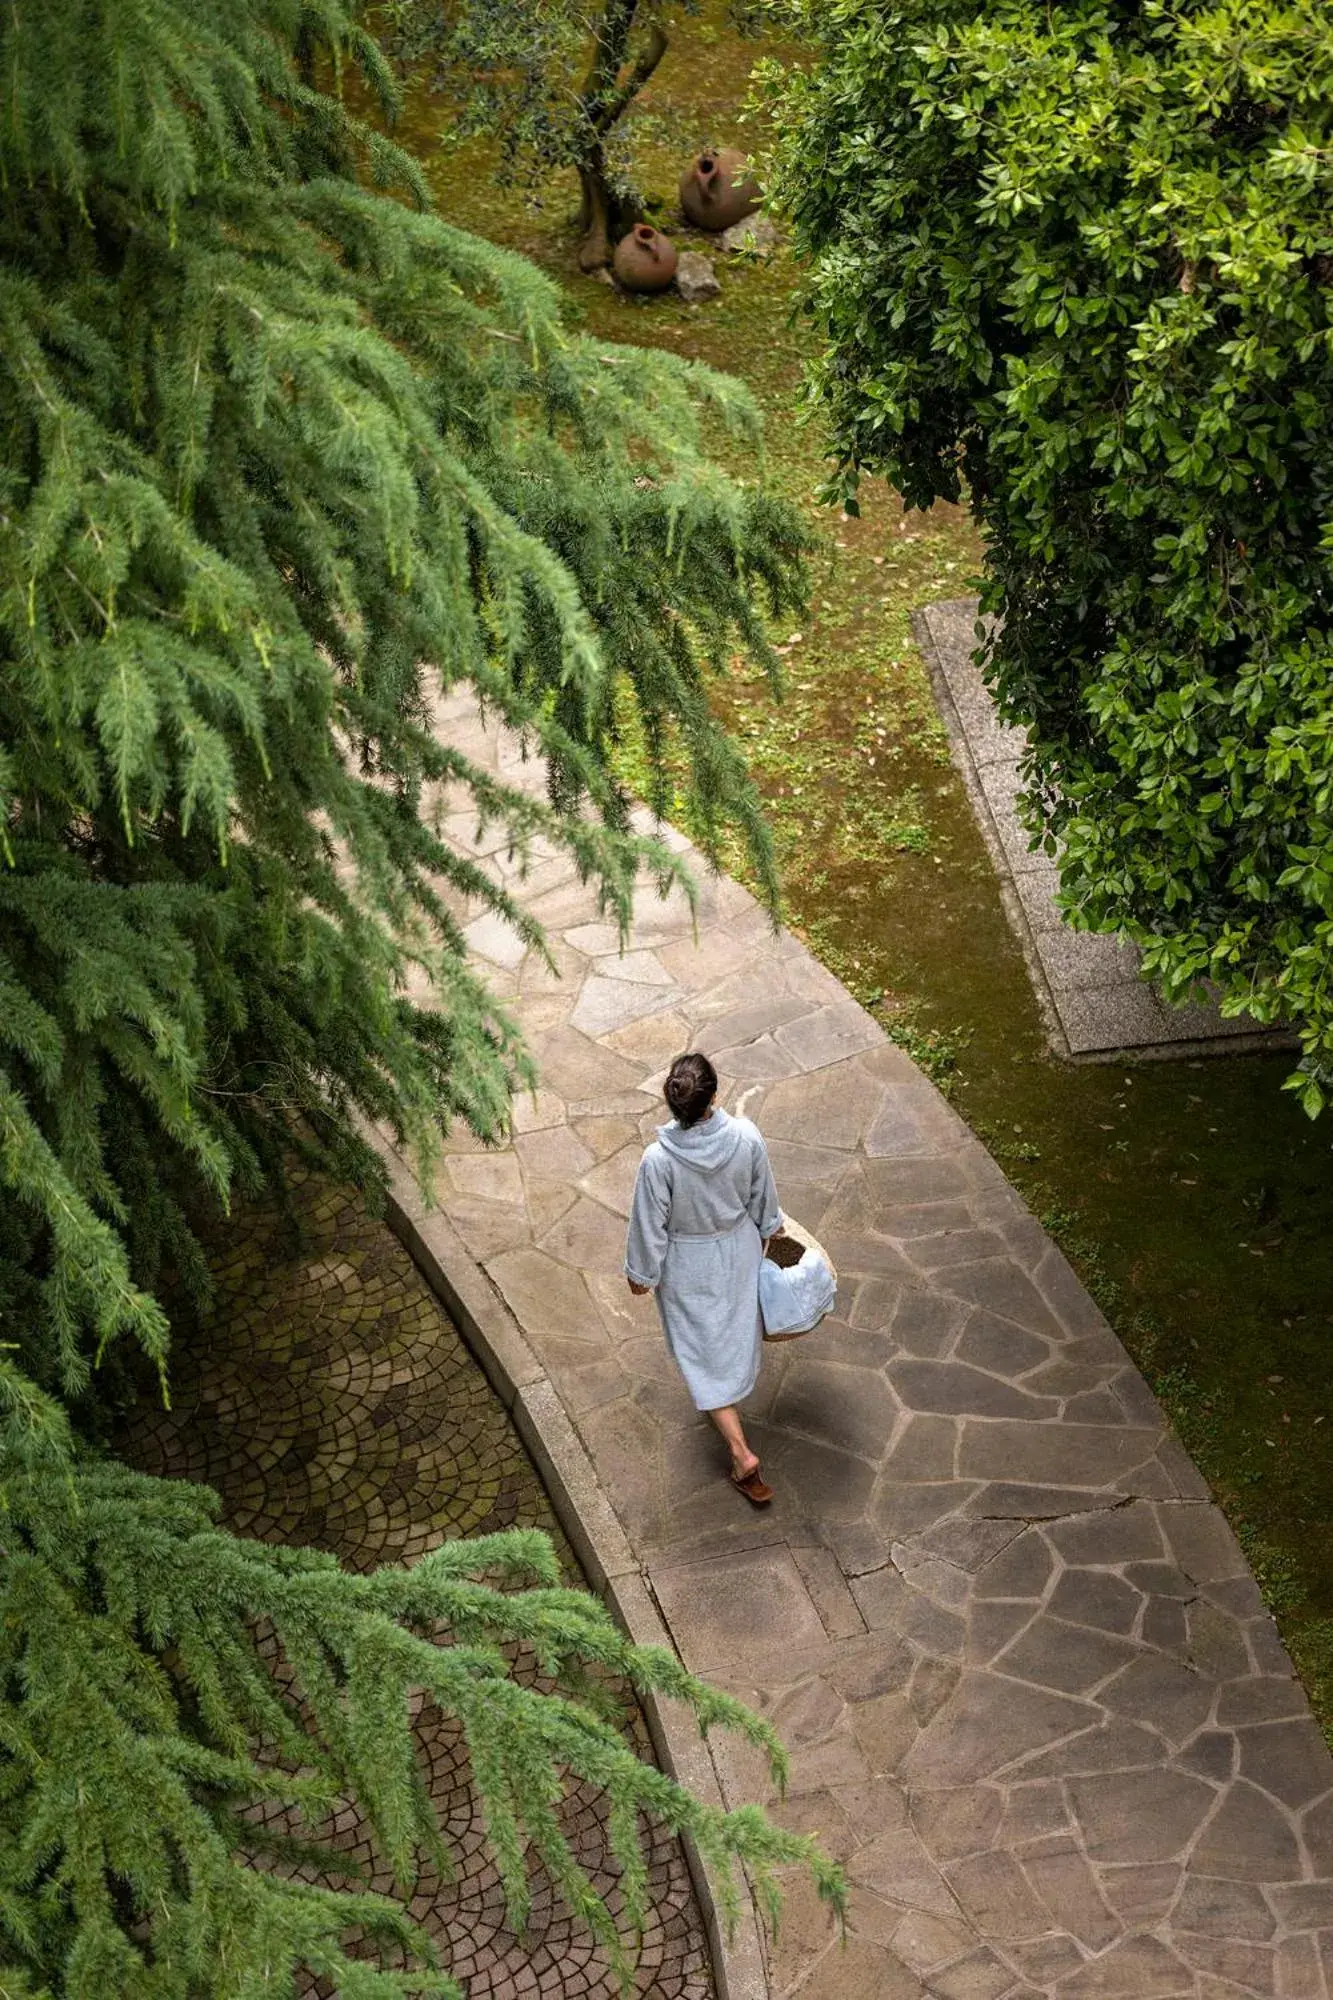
(743, 1460)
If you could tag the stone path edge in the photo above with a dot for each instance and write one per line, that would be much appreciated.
(585, 1513)
(1259, 1040)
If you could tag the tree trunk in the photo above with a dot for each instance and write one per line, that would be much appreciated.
(603, 101)
(604, 218)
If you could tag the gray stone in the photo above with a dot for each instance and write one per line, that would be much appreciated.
(925, 1448)
(1051, 1454)
(885, 1728)
(1298, 1973)
(756, 233)
(606, 1004)
(896, 1865)
(1002, 1347)
(1033, 1812)
(952, 1823)
(988, 1724)
(1140, 1894)
(1160, 1579)
(980, 1976)
(969, 1545)
(1249, 1840)
(587, 1237)
(736, 1606)
(1202, 1543)
(1250, 1967)
(999, 1285)
(1261, 1700)
(1061, 1877)
(1216, 1644)
(834, 1108)
(1050, 1653)
(952, 1388)
(1287, 1759)
(827, 1036)
(991, 1627)
(1138, 1968)
(824, 1485)
(993, 1892)
(1232, 1909)
(1167, 1696)
(828, 1591)
(555, 1153)
(1045, 1960)
(696, 280)
(1113, 1746)
(1092, 1597)
(1140, 1816)
(1211, 1755)
(923, 1323)
(932, 1684)
(847, 1408)
(1021, 1570)
(925, 1942)
(1164, 1626)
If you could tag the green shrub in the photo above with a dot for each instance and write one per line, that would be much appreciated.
(1076, 263)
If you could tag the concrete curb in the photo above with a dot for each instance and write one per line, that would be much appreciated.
(1258, 1040)
(589, 1520)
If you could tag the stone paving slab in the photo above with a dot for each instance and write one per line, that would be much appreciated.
(1031, 1692)
(1087, 984)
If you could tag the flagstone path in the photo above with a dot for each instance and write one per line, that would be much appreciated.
(1032, 1694)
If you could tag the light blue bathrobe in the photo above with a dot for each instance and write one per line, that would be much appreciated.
(703, 1202)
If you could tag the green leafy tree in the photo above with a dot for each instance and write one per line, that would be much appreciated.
(554, 84)
(1075, 263)
(286, 460)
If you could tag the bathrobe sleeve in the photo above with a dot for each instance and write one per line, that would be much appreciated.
(646, 1245)
(763, 1202)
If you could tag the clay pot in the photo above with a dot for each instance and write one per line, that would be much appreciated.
(719, 189)
(645, 260)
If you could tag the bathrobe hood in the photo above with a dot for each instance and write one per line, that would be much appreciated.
(707, 1146)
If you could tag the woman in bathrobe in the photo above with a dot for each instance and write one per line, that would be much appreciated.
(704, 1207)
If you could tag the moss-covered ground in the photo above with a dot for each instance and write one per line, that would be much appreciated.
(1193, 1196)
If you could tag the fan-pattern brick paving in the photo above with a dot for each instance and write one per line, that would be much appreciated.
(329, 1400)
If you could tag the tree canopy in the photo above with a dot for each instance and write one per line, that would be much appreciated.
(555, 86)
(1075, 265)
(285, 460)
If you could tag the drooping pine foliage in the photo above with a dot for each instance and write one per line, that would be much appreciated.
(271, 441)
(1077, 262)
(143, 1726)
(284, 459)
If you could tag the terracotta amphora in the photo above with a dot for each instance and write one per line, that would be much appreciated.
(645, 260)
(719, 189)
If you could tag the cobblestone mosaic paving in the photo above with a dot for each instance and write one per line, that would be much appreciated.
(1031, 1690)
(330, 1401)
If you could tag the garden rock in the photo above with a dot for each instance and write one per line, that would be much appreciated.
(696, 279)
(755, 233)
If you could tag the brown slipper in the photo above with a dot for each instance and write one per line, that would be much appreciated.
(755, 1488)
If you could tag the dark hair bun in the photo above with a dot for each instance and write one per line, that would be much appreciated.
(691, 1086)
